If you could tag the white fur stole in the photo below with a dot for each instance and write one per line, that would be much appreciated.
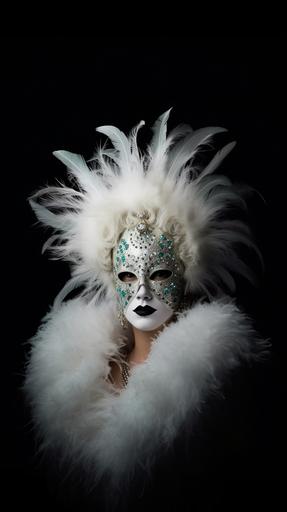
(109, 432)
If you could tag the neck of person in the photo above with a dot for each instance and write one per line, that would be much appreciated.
(143, 342)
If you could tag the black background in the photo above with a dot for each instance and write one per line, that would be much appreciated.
(55, 92)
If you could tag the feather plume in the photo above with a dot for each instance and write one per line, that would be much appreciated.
(77, 166)
(121, 144)
(217, 159)
(158, 146)
(89, 216)
(186, 149)
(133, 140)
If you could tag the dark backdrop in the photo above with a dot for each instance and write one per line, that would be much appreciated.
(55, 92)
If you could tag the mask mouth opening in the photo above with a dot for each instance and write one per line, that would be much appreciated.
(144, 310)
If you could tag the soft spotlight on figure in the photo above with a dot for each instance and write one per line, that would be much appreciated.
(115, 373)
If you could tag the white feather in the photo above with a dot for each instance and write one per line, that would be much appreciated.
(133, 140)
(120, 143)
(217, 159)
(186, 149)
(158, 146)
(159, 133)
(45, 216)
(78, 166)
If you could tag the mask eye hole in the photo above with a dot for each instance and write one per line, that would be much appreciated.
(161, 275)
(127, 277)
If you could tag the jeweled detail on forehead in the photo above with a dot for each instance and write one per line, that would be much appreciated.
(142, 226)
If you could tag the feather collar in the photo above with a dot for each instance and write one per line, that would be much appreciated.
(110, 432)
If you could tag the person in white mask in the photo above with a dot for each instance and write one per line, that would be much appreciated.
(115, 372)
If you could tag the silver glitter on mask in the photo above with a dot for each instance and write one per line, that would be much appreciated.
(143, 253)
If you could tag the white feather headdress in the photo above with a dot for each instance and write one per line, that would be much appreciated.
(105, 196)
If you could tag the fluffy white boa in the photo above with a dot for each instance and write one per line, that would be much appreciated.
(110, 432)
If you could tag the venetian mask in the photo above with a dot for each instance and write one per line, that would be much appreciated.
(148, 277)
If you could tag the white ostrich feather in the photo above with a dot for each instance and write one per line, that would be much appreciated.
(186, 149)
(217, 159)
(159, 143)
(121, 145)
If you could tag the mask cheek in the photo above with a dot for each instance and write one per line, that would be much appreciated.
(169, 293)
(156, 291)
(124, 294)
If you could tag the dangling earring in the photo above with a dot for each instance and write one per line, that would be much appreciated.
(122, 319)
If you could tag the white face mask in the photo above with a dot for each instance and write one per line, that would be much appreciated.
(148, 276)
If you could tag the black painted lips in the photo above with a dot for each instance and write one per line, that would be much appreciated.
(144, 310)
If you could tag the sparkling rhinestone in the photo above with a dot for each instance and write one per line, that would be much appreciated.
(141, 227)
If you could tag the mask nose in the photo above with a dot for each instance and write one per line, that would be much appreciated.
(143, 292)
